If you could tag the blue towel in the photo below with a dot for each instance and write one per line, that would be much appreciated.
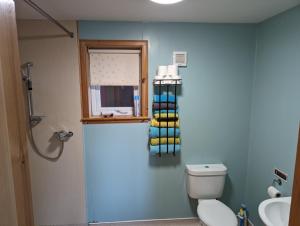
(154, 132)
(163, 98)
(163, 111)
(154, 149)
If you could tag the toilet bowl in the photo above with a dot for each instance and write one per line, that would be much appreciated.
(212, 212)
(205, 182)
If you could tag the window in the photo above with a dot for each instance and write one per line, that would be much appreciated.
(114, 83)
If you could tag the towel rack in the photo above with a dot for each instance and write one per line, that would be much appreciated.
(160, 83)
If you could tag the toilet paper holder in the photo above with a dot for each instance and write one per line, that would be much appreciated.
(277, 181)
(272, 191)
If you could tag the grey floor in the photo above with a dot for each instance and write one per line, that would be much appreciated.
(189, 222)
(194, 222)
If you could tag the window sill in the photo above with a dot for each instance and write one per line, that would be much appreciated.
(102, 120)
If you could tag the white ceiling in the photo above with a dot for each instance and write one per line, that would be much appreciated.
(212, 11)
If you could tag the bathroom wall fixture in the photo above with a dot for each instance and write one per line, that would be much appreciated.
(277, 181)
(62, 135)
(280, 174)
(166, 2)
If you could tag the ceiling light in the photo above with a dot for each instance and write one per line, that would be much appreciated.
(165, 2)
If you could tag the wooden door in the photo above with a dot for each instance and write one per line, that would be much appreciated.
(15, 193)
(8, 212)
(295, 207)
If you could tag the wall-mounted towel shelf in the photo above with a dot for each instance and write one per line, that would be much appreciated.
(164, 130)
(167, 81)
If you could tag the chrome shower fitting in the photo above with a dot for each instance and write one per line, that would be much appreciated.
(277, 181)
(35, 119)
(25, 69)
(26, 76)
(63, 135)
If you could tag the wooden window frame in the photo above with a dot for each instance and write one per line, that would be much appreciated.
(84, 46)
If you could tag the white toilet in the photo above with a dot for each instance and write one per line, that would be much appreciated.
(205, 183)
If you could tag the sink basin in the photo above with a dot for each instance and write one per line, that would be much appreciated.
(275, 212)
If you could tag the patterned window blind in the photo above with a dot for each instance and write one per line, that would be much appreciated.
(114, 67)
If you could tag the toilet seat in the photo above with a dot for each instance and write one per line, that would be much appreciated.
(215, 213)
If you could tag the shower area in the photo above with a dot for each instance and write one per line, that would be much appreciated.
(59, 137)
(50, 74)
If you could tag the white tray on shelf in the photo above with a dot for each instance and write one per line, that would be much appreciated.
(167, 81)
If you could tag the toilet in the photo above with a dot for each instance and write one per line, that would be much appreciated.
(205, 182)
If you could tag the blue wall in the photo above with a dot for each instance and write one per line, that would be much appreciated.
(276, 106)
(123, 181)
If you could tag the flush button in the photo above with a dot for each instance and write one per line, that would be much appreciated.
(279, 173)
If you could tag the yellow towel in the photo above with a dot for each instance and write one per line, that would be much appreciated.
(163, 140)
(164, 115)
(155, 123)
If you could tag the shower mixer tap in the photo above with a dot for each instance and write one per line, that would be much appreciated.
(63, 135)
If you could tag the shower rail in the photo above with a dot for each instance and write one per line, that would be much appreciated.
(49, 17)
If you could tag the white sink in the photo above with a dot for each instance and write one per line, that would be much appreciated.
(275, 212)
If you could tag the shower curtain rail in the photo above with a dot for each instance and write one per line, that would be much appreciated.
(48, 17)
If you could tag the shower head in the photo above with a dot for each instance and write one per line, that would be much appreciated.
(26, 65)
(25, 70)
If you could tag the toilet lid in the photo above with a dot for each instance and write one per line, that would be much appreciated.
(215, 213)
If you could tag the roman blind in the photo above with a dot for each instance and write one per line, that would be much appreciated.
(111, 67)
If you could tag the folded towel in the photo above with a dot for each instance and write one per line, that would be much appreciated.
(154, 132)
(154, 149)
(163, 111)
(155, 123)
(163, 140)
(163, 106)
(163, 98)
(165, 116)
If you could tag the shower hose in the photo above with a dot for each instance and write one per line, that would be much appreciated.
(37, 150)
